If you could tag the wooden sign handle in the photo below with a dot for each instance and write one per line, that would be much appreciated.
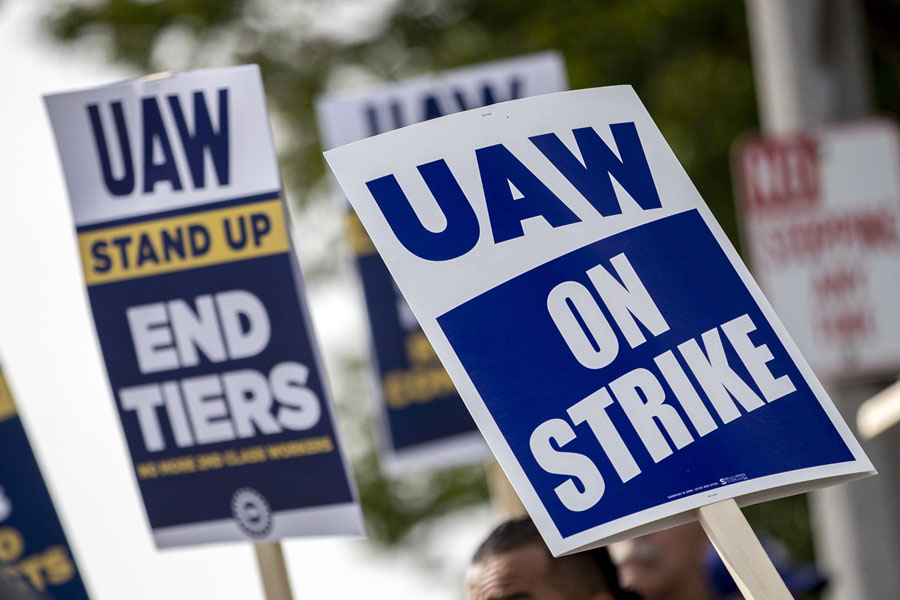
(273, 571)
(743, 555)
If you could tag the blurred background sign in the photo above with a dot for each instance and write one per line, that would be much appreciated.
(33, 546)
(424, 423)
(200, 310)
(821, 217)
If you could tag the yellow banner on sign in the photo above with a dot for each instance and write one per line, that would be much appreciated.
(183, 242)
(7, 406)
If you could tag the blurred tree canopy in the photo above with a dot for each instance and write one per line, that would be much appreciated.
(689, 61)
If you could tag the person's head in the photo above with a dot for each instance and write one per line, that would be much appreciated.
(665, 564)
(513, 563)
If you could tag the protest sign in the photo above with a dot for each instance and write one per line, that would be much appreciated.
(423, 421)
(199, 308)
(33, 546)
(821, 220)
(620, 361)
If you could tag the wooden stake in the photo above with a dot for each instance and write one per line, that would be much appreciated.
(503, 497)
(879, 413)
(743, 555)
(273, 571)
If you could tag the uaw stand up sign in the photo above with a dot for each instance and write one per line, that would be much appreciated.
(424, 423)
(622, 364)
(199, 308)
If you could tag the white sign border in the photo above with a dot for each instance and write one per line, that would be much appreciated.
(663, 515)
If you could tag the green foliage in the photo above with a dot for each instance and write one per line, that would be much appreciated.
(688, 59)
(788, 520)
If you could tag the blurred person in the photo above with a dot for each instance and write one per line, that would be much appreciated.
(680, 564)
(513, 563)
(666, 565)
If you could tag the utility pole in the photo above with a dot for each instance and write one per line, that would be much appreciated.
(809, 60)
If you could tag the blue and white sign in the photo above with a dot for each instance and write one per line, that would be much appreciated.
(199, 308)
(613, 349)
(33, 546)
(423, 420)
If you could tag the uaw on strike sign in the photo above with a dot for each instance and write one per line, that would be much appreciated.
(199, 308)
(424, 422)
(619, 359)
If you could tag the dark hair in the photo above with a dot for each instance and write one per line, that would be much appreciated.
(595, 567)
